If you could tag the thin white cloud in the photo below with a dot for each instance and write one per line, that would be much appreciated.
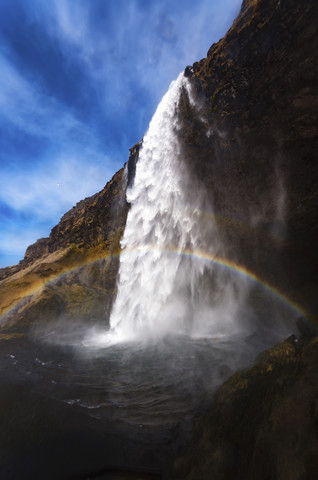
(134, 50)
(24, 104)
(50, 191)
(13, 244)
(44, 196)
(72, 20)
(146, 46)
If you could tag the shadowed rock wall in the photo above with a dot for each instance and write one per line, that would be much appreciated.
(251, 136)
(252, 143)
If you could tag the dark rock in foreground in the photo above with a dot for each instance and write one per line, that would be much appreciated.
(255, 141)
(263, 423)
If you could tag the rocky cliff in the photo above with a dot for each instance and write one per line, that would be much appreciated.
(72, 273)
(251, 139)
(263, 423)
(252, 143)
(249, 136)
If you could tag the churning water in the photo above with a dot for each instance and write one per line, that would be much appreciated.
(163, 286)
(179, 319)
(129, 404)
(157, 383)
(180, 324)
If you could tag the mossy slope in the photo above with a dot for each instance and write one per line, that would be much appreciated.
(263, 423)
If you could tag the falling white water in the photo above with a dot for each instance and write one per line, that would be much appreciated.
(162, 287)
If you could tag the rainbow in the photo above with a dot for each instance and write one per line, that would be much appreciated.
(197, 254)
(235, 267)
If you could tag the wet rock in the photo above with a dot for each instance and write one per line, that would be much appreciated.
(251, 142)
(258, 113)
(262, 423)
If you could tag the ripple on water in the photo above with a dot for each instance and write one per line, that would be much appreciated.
(154, 384)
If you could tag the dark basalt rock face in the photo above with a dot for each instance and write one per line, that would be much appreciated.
(252, 143)
(251, 139)
(263, 423)
(100, 218)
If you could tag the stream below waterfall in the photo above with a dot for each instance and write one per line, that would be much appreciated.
(69, 409)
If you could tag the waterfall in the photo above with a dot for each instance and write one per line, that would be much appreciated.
(162, 285)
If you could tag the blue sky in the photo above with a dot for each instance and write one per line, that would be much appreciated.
(79, 83)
